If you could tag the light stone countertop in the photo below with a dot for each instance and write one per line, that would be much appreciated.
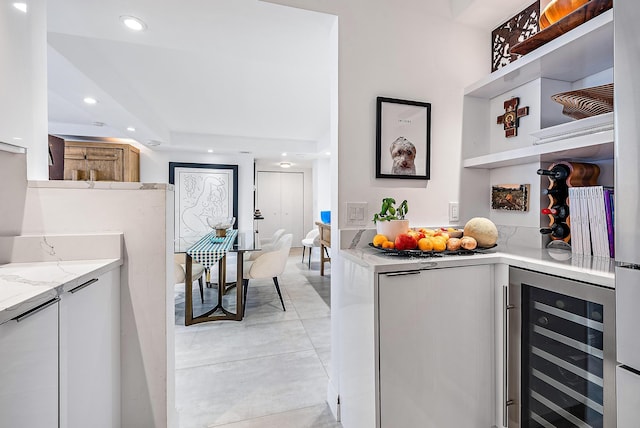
(593, 270)
(24, 286)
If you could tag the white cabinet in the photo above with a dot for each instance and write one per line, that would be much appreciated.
(29, 369)
(90, 354)
(436, 348)
(280, 198)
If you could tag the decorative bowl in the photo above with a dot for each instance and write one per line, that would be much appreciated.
(586, 102)
(558, 9)
(221, 224)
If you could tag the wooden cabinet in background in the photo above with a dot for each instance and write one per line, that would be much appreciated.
(109, 161)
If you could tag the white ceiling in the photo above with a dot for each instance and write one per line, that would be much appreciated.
(227, 75)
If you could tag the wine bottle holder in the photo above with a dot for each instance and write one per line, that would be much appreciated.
(561, 176)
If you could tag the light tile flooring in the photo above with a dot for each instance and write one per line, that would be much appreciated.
(268, 370)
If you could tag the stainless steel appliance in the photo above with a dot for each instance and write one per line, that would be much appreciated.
(627, 211)
(560, 353)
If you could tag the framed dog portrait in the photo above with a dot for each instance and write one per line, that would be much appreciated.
(403, 139)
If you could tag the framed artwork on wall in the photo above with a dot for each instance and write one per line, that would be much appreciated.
(510, 197)
(403, 139)
(202, 191)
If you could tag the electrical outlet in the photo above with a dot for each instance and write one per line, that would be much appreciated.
(454, 212)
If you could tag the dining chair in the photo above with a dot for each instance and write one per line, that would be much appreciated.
(180, 272)
(266, 245)
(269, 264)
(311, 240)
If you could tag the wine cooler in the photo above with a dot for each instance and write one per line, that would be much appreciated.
(560, 353)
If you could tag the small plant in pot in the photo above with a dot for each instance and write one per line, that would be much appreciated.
(390, 220)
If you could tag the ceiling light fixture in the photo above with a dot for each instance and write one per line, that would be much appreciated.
(153, 143)
(327, 153)
(22, 7)
(285, 164)
(284, 154)
(89, 100)
(210, 151)
(131, 129)
(133, 23)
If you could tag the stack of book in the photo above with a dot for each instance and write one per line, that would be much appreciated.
(592, 212)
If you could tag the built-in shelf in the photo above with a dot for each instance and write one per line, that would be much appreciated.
(591, 147)
(581, 52)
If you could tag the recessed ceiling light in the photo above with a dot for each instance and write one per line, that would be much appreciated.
(22, 7)
(327, 153)
(98, 123)
(133, 23)
(90, 100)
(17, 138)
(210, 151)
(284, 154)
(285, 164)
(131, 129)
(153, 143)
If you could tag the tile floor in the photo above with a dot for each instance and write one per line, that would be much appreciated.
(268, 370)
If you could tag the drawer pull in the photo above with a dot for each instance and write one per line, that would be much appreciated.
(36, 309)
(409, 272)
(81, 286)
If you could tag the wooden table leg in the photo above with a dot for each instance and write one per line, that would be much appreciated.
(239, 288)
(188, 291)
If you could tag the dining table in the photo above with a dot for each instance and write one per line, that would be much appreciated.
(208, 251)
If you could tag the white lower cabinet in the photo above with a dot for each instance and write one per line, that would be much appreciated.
(29, 369)
(436, 348)
(90, 354)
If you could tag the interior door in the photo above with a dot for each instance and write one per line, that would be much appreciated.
(280, 198)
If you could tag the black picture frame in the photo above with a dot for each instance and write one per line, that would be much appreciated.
(403, 139)
(210, 191)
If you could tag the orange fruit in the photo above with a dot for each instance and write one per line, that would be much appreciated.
(378, 240)
(388, 244)
(439, 244)
(425, 244)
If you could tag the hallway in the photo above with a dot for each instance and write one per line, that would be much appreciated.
(269, 370)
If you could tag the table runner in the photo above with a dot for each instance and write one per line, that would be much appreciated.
(210, 248)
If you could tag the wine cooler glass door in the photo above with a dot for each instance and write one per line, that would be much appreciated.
(567, 355)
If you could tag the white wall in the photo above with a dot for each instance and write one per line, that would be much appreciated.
(23, 83)
(321, 187)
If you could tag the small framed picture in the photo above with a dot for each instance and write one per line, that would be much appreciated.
(403, 139)
(510, 197)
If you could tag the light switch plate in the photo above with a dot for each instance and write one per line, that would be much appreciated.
(454, 212)
(357, 213)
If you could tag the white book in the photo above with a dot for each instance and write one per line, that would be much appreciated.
(584, 227)
(594, 221)
(601, 221)
(574, 216)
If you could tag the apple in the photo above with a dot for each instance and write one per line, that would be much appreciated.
(404, 241)
(416, 234)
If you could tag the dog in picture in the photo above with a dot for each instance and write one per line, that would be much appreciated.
(403, 153)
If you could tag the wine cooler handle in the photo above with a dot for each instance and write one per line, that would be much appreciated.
(505, 351)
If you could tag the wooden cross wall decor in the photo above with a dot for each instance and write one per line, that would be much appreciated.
(511, 117)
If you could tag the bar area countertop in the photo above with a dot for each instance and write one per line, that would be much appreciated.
(593, 270)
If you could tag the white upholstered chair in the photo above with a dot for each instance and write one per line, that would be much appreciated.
(266, 244)
(311, 240)
(269, 264)
(180, 272)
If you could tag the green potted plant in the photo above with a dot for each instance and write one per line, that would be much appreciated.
(390, 221)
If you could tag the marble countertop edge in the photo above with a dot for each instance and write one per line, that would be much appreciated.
(25, 286)
(585, 269)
